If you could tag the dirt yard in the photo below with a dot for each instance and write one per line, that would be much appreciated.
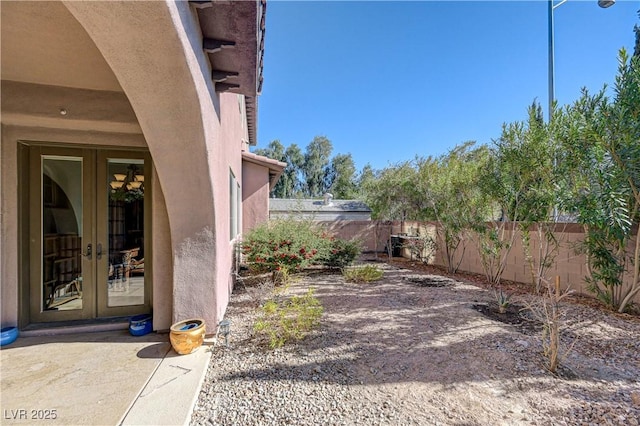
(413, 349)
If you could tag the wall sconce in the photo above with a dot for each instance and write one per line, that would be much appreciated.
(225, 329)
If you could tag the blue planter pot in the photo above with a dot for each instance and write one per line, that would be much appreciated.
(140, 325)
(9, 335)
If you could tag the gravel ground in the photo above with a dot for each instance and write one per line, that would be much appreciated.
(397, 352)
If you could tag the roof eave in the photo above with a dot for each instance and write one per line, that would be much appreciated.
(275, 167)
(233, 38)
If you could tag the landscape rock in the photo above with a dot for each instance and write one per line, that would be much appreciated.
(396, 353)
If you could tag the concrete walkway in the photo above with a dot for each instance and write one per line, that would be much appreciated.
(100, 378)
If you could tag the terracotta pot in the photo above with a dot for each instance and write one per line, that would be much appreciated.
(187, 336)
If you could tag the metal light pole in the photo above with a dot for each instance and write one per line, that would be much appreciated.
(551, 7)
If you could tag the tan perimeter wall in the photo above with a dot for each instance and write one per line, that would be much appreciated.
(568, 265)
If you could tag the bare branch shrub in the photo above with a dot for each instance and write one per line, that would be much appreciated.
(548, 310)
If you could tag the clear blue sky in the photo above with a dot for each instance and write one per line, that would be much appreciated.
(386, 81)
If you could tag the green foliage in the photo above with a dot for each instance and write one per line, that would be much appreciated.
(314, 172)
(285, 320)
(520, 177)
(341, 253)
(362, 274)
(316, 166)
(601, 142)
(341, 177)
(494, 242)
(521, 180)
(285, 245)
(503, 300)
(288, 186)
(393, 194)
(449, 185)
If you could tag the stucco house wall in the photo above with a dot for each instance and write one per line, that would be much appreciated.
(259, 176)
(255, 196)
(135, 75)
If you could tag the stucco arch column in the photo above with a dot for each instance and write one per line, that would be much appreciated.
(149, 47)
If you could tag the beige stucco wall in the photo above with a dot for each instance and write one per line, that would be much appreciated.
(194, 136)
(229, 159)
(255, 195)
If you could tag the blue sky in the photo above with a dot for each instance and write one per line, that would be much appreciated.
(386, 81)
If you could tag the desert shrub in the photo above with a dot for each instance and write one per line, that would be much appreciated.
(285, 320)
(362, 274)
(341, 253)
(549, 311)
(284, 245)
(503, 300)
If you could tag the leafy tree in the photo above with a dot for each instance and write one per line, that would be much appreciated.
(602, 144)
(624, 147)
(315, 167)
(366, 177)
(520, 180)
(341, 176)
(393, 195)
(289, 185)
(449, 185)
(274, 150)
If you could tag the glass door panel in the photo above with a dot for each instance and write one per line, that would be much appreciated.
(60, 229)
(125, 220)
(62, 213)
(123, 273)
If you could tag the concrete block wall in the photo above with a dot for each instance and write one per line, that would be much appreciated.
(569, 265)
(373, 235)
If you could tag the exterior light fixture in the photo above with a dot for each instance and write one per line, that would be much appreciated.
(606, 3)
(225, 329)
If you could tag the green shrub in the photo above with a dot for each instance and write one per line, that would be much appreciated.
(341, 253)
(285, 245)
(282, 321)
(362, 274)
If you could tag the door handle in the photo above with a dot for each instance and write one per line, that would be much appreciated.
(99, 252)
(88, 253)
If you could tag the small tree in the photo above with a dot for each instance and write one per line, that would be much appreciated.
(449, 185)
(602, 141)
(548, 310)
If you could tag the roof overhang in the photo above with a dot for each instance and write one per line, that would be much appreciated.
(233, 38)
(275, 167)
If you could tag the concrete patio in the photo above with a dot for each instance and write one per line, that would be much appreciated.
(99, 378)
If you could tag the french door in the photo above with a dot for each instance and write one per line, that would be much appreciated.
(88, 247)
